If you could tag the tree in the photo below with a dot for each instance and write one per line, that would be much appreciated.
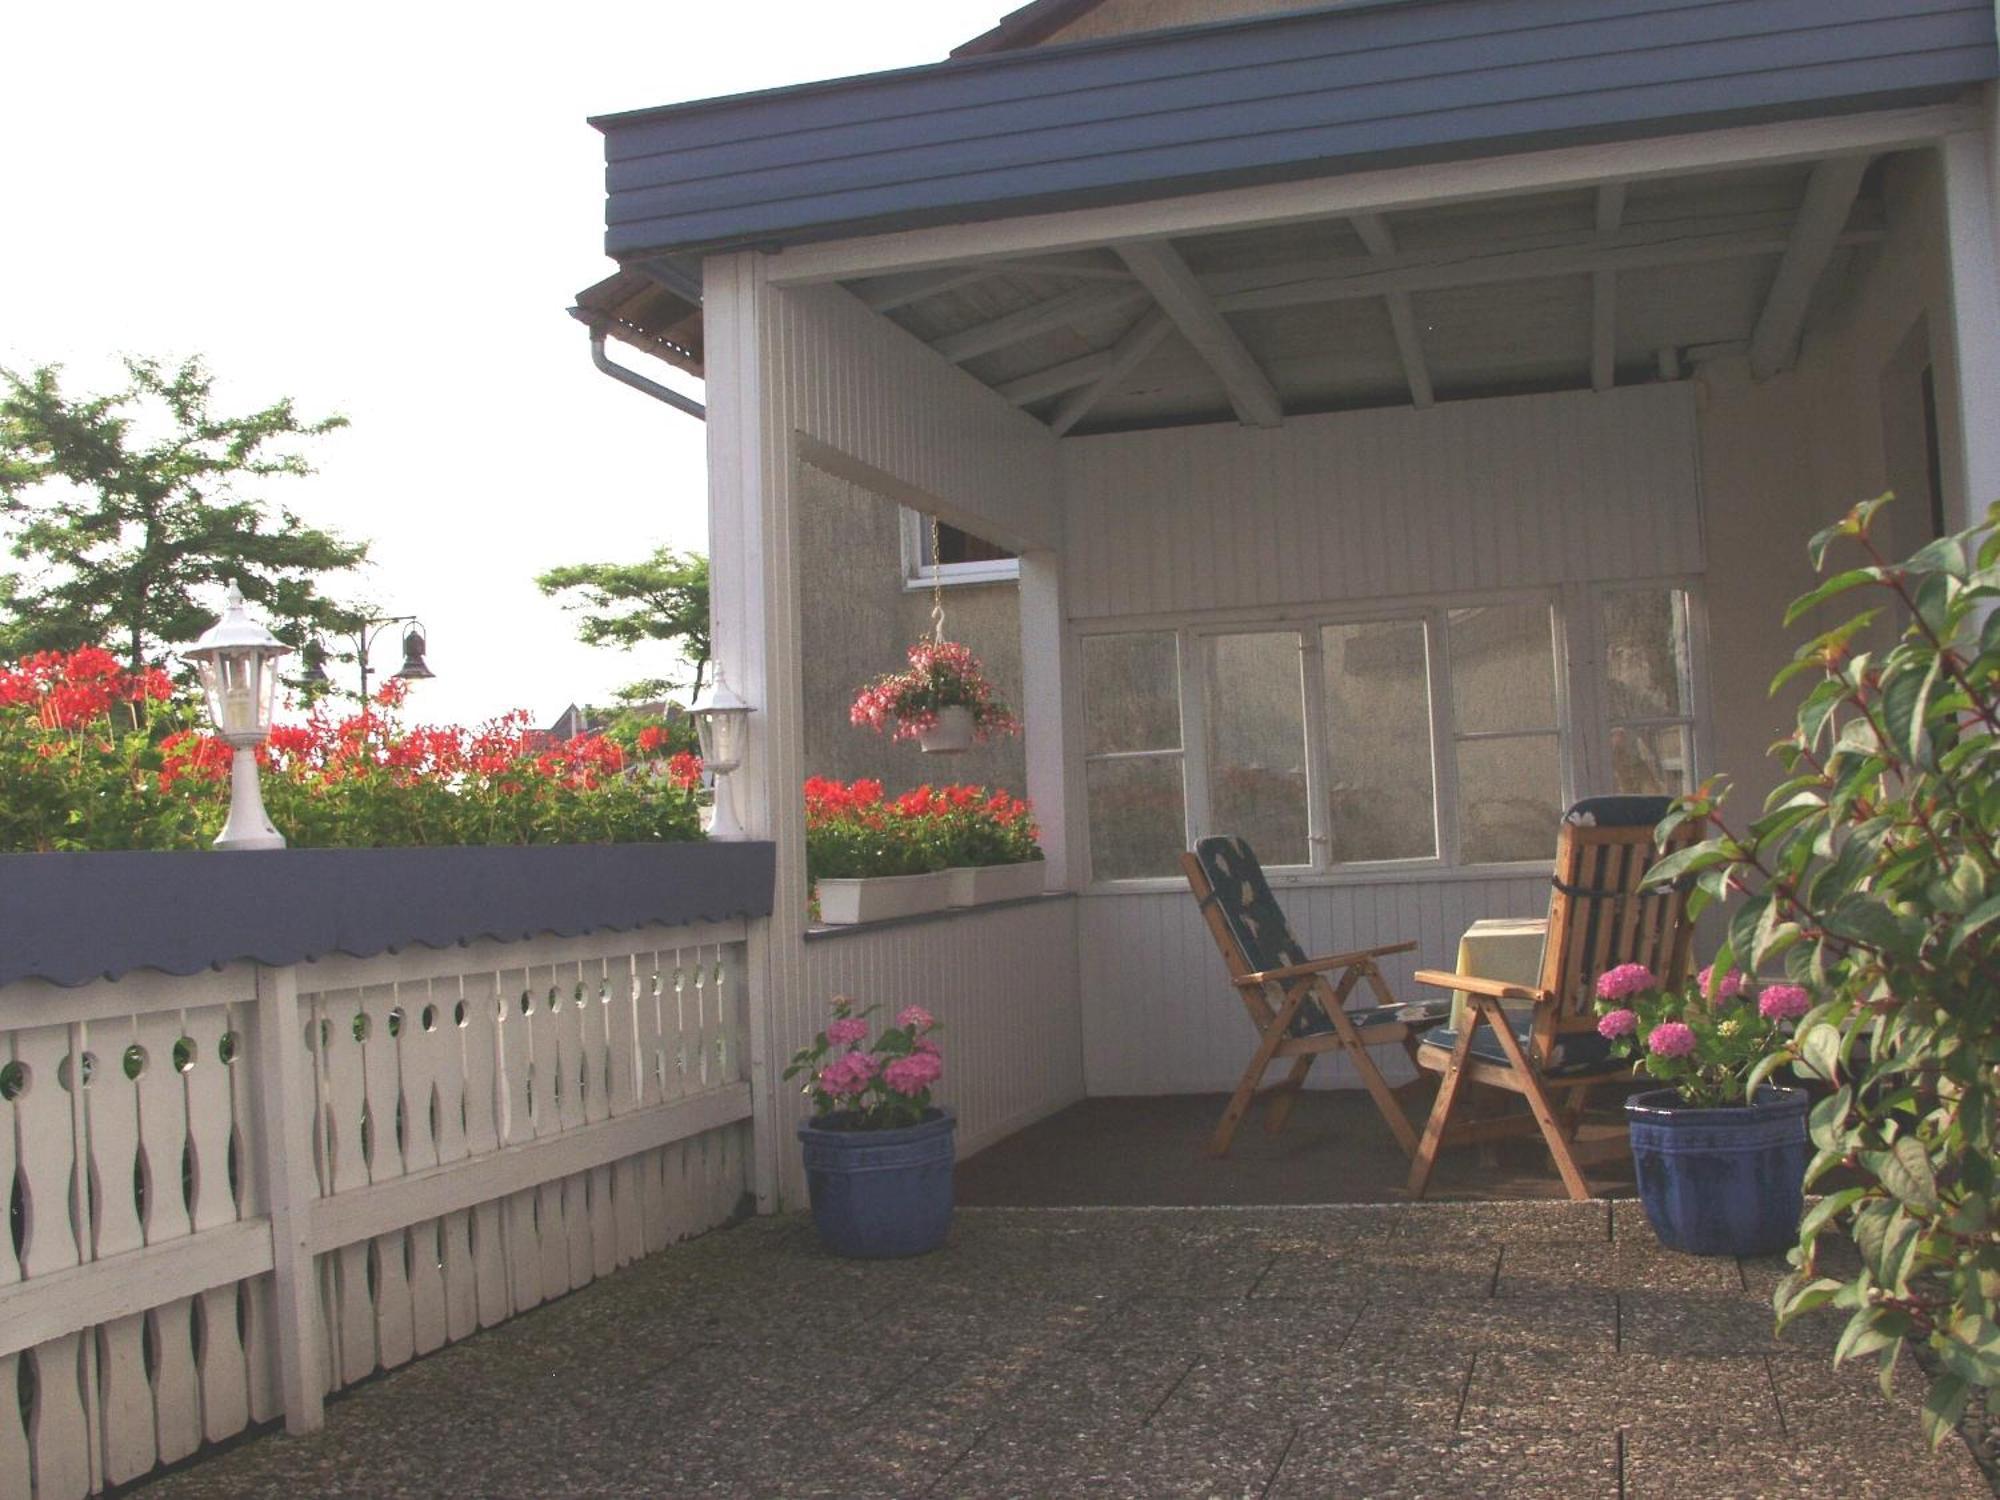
(131, 507)
(663, 598)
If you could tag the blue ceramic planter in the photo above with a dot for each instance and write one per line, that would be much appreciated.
(881, 1193)
(1727, 1181)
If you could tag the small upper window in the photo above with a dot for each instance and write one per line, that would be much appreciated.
(959, 556)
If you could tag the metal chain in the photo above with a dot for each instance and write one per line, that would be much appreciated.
(937, 585)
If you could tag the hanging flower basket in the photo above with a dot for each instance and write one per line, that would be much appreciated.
(943, 701)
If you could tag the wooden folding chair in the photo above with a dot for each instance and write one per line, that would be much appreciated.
(1297, 1005)
(1599, 917)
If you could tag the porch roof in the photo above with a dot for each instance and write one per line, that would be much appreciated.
(1278, 97)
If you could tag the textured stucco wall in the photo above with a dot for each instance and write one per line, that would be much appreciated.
(858, 620)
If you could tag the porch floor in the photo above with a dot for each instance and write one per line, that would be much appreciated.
(1151, 1152)
(1499, 1349)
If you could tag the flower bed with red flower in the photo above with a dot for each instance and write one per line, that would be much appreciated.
(86, 771)
(855, 1086)
(941, 674)
(854, 831)
(1704, 1039)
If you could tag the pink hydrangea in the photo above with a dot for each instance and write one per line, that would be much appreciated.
(915, 1018)
(846, 1031)
(848, 1074)
(1625, 981)
(1783, 1002)
(913, 1074)
(1616, 1023)
(1671, 1039)
(1730, 987)
(927, 1044)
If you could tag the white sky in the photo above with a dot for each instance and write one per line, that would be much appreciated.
(384, 210)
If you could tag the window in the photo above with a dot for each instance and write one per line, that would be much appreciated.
(1506, 734)
(1381, 777)
(1133, 757)
(1257, 744)
(1437, 735)
(961, 556)
(1648, 690)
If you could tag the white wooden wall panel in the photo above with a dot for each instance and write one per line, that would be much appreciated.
(1002, 984)
(1467, 495)
(1160, 1017)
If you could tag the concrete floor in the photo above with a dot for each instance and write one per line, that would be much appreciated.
(1441, 1349)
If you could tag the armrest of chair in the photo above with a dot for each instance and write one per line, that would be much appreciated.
(1317, 965)
(1472, 984)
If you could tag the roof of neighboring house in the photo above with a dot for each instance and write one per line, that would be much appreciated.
(1029, 26)
(635, 309)
(1273, 97)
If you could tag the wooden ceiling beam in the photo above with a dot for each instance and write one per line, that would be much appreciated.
(1817, 233)
(1138, 341)
(1375, 234)
(1162, 272)
(1604, 294)
(892, 292)
(1528, 259)
(1074, 267)
(1055, 379)
(1029, 322)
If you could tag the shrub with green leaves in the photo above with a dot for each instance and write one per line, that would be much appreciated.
(1874, 872)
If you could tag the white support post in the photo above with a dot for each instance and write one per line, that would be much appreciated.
(285, 1124)
(752, 467)
(1045, 719)
(1972, 246)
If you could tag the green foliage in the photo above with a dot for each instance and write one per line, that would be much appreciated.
(1874, 872)
(855, 1086)
(1708, 1039)
(662, 598)
(130, 507)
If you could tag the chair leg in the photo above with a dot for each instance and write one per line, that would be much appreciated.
(1579, 1095)
(1279, 1110)
(1545, 1116)
(1246, 1091)
(1454, 1075)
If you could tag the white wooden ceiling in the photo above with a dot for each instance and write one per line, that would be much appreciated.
(1614, 285)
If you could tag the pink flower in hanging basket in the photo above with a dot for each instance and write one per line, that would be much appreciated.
(941, 674)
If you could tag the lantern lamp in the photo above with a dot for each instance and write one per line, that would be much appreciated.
(237, 659)
(721, 718)
(414, 668)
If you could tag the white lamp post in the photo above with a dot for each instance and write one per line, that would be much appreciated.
(236, 660)
(720, 718)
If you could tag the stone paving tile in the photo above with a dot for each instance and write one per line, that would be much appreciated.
(1621, 1265)
(1337, 1458)
(1662, 1466)
(1698, 1323)
(1016, 1460)
(1417, 1393)
(1582, 1323)
(1452, 1269)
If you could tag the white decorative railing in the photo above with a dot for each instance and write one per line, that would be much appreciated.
(234, 1192)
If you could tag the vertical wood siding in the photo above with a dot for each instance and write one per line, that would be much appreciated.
(1160, 1016)
(1002, 983)
(1468, 495)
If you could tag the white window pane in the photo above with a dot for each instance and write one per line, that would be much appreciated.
(1138, 824)
(1653, 762)
(1646, 653)
(1503, 669)
(1509, 798)
(1257, 744)
(1132, 693)
(1382, 799)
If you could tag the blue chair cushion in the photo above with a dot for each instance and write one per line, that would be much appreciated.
(1574, 1051)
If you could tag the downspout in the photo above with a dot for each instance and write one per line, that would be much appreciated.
(639, 382)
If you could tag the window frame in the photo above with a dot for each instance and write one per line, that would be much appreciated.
(1694, 686)
(917, 574)
(1582, 717)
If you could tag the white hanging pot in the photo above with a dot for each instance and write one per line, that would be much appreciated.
(951, 735)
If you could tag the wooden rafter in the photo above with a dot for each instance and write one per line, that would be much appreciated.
(892, 292)
(1604, 294)
(1137, 342)
(1028, 322)
(1074, 267)
(1830, 194)
(1375, 234)
(1529, 258)
(1162, 272)
(1056, 379)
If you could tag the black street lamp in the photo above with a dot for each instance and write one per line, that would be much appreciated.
(413, 669)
